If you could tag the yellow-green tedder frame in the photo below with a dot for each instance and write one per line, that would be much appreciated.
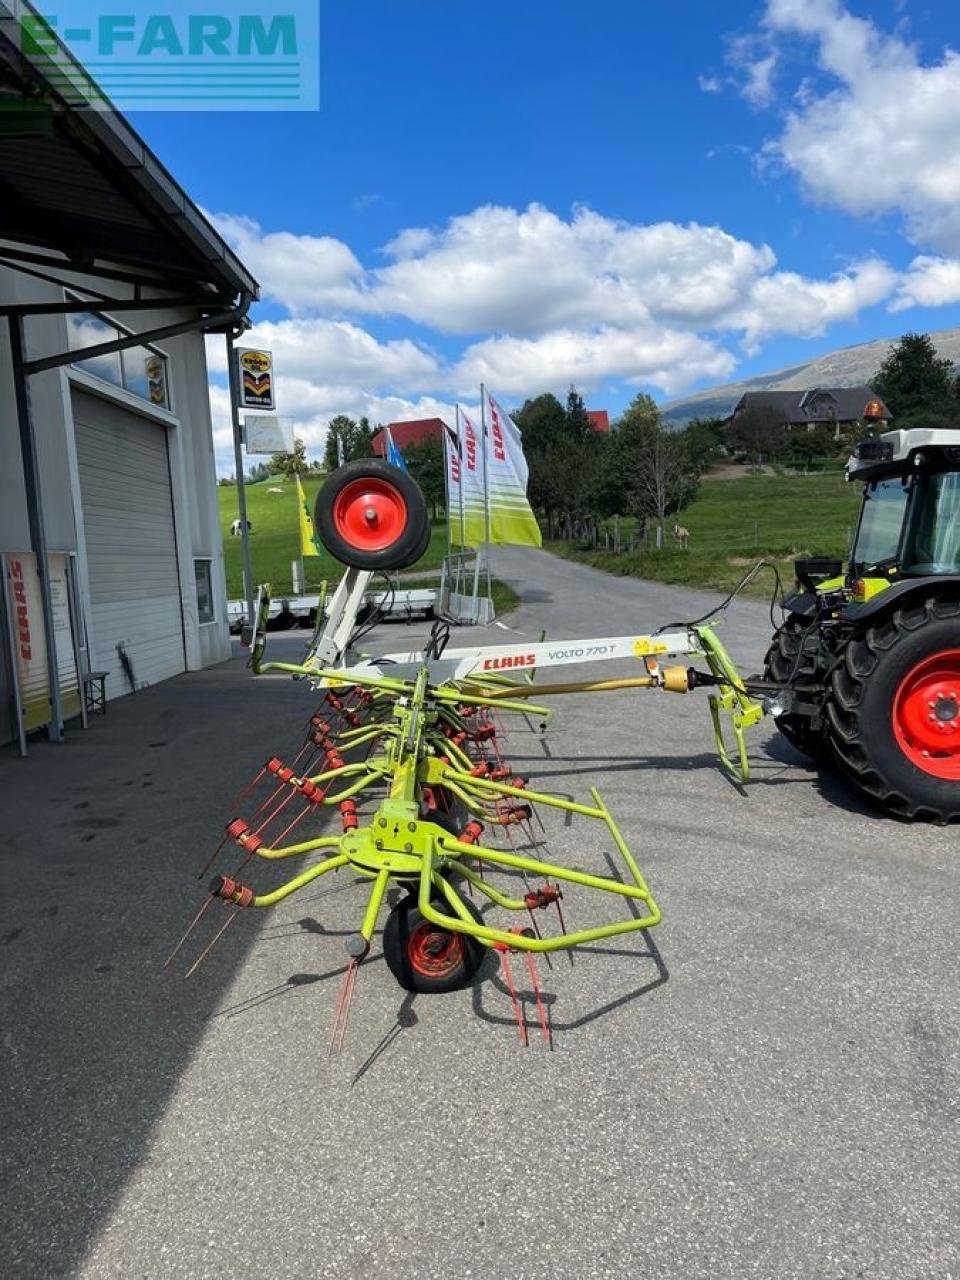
(419, 734)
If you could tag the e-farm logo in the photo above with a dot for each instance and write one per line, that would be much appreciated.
(179, 55)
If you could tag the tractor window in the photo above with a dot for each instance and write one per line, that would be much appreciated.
(932, 542)
(878, 534)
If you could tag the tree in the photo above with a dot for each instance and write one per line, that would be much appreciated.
(426, 464)
(704, 439)
(806, 446)
(564, 455)
(542, 422)
(578, 424)
(663, 478)
(290, 464)
(347, 438)
(760, 432)
(917, 385)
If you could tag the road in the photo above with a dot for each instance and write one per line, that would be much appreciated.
(769, 1087)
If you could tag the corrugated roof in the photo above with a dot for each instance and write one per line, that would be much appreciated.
(83, 183)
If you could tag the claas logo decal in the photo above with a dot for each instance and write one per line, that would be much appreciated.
(500, 664)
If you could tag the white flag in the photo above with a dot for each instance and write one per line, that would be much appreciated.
(474, 508)
(511, 516)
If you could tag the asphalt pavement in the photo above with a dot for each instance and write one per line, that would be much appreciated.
(765, 1085)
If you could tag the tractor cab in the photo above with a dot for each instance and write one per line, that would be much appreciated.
(909, 522)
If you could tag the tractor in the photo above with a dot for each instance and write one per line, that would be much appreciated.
(868, 660)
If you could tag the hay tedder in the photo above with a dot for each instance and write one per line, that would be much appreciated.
(407, 748)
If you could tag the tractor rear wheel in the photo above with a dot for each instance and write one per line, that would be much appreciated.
(893, 710)
(793, 658)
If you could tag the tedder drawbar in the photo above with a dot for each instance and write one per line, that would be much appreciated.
(419, 735)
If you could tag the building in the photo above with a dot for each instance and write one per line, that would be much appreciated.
(404, 434)
(599, 420)
(838, 408)
(110, 550)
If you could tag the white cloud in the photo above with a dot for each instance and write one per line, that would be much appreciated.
(336, 350)
(299, 271)
(710, 84)
(668, 359)
(311, 405)
(929, 282)
(530, 271)
(884, 134)
(789, 303)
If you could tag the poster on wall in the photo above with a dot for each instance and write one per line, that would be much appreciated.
(29, 645)
(256, 379)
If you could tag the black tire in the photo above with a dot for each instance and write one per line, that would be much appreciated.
(862, 702)
(407, 936)
(792, 659)
(399, 538)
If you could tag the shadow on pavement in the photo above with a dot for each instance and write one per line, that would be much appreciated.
(104, 836)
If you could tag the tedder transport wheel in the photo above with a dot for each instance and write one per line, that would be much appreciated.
(370, 515)
(893, 710)
(782, 665)
(423, 957)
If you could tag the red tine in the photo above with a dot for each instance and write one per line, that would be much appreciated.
(517, 1011)
(190, 928)
(210, 945)
(541, 1011)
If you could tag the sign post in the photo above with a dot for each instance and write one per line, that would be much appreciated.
(233, 355)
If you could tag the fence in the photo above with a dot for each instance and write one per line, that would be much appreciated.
(614, 539)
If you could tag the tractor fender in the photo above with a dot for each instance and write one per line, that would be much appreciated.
(867, 610)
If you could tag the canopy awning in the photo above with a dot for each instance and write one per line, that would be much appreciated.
(81, 183)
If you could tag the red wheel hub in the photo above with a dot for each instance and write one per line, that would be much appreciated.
(434, 952)
(370, 514)
(926, 715)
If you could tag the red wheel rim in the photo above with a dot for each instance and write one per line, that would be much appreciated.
(434, 952)
(926, 715)
(370, 514)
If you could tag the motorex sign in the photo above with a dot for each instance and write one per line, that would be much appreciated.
(178, 55)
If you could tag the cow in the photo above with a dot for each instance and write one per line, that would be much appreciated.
(682, 535)
(236, 528)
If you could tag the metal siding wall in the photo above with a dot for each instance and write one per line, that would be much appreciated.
(131, 548)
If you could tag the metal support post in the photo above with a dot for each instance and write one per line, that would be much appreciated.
(38, 536)
(241, 490)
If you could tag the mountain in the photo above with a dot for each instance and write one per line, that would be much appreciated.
(848, 367)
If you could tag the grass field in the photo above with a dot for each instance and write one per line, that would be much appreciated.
(733, 523)
(275, 539)
(274, 543)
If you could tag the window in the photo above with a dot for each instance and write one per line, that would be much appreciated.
(203, 572)
(932, 543)
(140, 370)
(878, 536)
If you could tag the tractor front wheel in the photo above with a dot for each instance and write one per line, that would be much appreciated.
(792, 659)
(893, 710)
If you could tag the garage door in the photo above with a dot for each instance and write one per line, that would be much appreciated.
(131, 552)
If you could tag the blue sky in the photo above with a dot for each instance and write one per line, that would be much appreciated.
(717, 190)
